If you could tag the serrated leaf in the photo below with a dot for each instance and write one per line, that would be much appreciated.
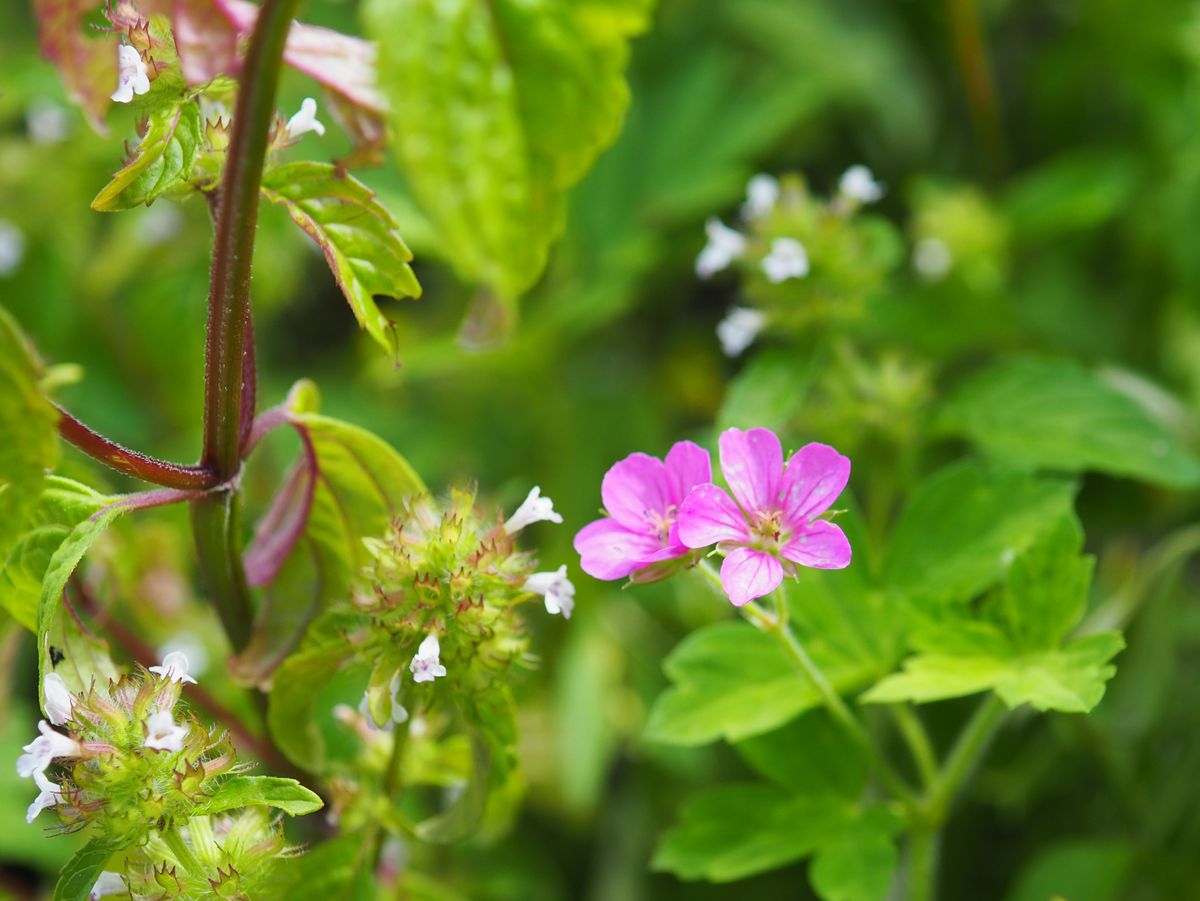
(735, 831)
(963, 524)
(497, 108)
(355, 232)
(86, 60)
(77, 878)
(287, 795)
(162, 162)
(1054, 414)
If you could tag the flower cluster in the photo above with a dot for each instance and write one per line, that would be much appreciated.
(125, 764)
(671, 510)
(442, 589)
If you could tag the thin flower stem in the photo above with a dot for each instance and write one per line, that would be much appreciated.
(131, 462)
(970, 52)
(778, 627)
(182, 852)
(912, 730)
(965, 754)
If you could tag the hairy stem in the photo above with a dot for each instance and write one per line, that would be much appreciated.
(216, 531)
(131, 462)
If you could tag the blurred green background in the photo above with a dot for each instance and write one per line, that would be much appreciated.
(1062, 165)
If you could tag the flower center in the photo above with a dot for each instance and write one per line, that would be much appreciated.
(767, 530)
(661, 522)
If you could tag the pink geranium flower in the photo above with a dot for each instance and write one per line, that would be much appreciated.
(642, 495)
(773, 526)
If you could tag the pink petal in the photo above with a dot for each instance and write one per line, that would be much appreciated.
(607, 550)
(709, 515)
(688, 465)
(635, 487)
(815, 476)
(753, 465)
(822, 545)
(747, 574)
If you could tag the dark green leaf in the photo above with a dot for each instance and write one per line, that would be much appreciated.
(809, 755)
(81, 872)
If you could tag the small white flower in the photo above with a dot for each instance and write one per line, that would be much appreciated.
(425, 665)
(162, 734)
(534, 508)
(46, 122)
(857, 183)
(786, 259)
(762, 193)
(12, 248)
(174, 668)
(183, 643)
(109, 883)
(41, 802)
(932, 259)
(304, 121)
(48, 746)
(738, 329)
(724, 246)
(132, 75)
(556, 589)
(59, 701)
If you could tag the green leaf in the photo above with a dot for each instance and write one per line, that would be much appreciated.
(962, 524)
(63, 505)
(858, 863)
(162, 162)
(29, 424)
(1055, 414)
(356, 233)
(81, 872)
(287, 795)
(767, 392)
(809, 755)
(735, 831)
(1094, 870)
(497, 109)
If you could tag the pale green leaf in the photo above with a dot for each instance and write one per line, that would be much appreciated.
(356, 233)
(162, 162)
(287, 795)
(1055, 414)
(498, 108)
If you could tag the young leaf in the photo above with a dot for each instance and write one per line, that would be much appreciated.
(81, 872)
(86, 60)
(1054, 414)
(355, 232)
(162, 162)
(497, 109)
(287, 795)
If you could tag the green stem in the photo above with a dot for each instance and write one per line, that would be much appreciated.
(912, 730)
(923, 845)
(182, 852)
(216, 531)
(965, 754)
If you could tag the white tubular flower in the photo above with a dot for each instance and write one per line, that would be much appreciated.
(762, 193)
(932, 259)
(174, 668)
(786, 259)
(556, 589)
(534, 508)
(858, 184)
(48, 746)
(304, 121)
(109, 883)
(12, 248)
(162, 734)
(59, 701)
(41, 802)
(724, 246)
(425, 666)
(132, 75)
(738, 329)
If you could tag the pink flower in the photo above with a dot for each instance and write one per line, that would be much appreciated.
(773, 526)
(642, 495)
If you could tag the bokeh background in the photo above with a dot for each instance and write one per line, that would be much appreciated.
(1052, 145)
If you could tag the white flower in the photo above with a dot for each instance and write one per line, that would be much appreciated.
(724, 246)
(738, 329)
(932, 258)
(46, 122)
(859, 184)
(556, 589)
(12, 247)
(174, 668)
(109, 883)
(762, 193)
(786, 259)
(534, 508)
(304, 121)
(184, 643)
(41, 802)
(59, 701)
(425, 665)
(48, 746)
(162, 734)
(132, 76)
